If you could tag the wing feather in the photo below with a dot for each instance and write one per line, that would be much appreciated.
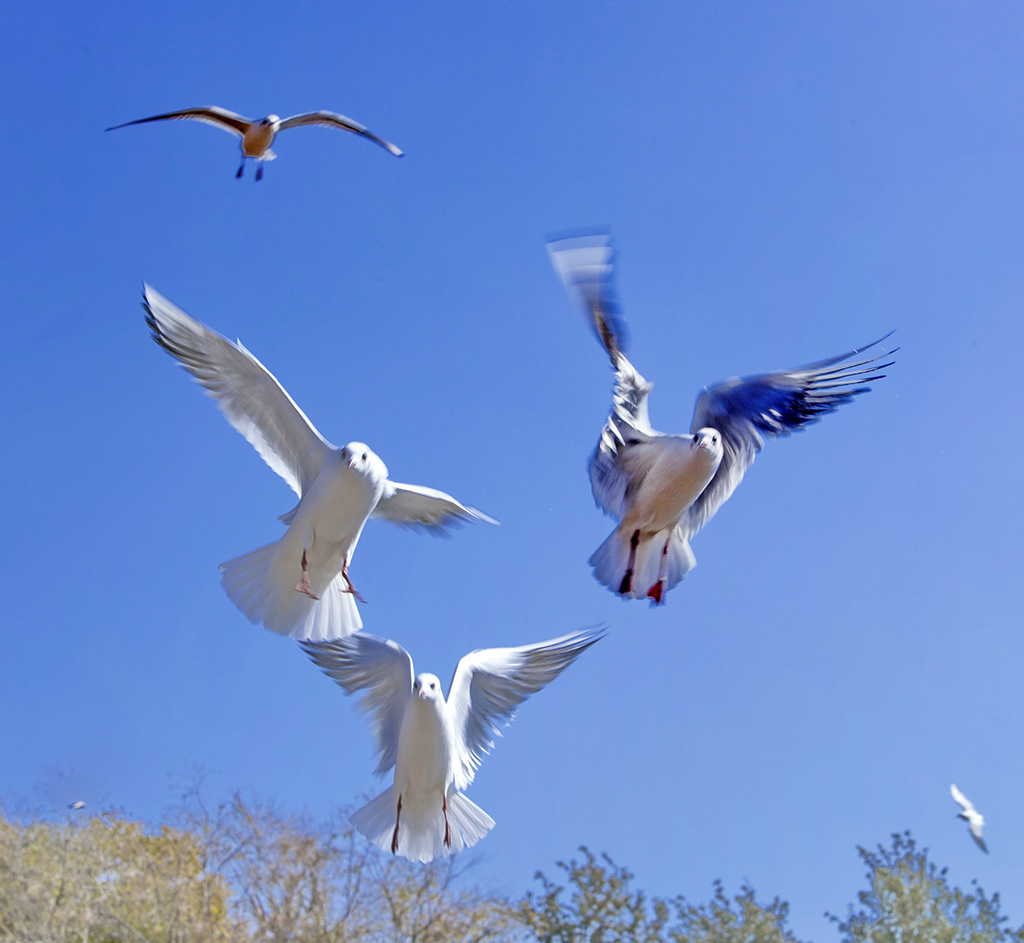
(382, 669)
(773, 403)
(246, 392)
(490, 683)
(210, 114)
(426, 508)
(334, 120)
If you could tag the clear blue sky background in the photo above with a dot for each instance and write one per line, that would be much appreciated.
(783, 182)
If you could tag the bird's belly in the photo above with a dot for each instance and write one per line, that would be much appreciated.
(424, 763)
(669, 488)
(257, 140)
(335, 508)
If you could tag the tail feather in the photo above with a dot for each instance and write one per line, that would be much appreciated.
(421, 824)
(262, 585)
(611, 562)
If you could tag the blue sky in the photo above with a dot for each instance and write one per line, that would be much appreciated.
(783, 182)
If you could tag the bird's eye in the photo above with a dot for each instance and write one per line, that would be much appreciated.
(432, 685)
(714, 438)
(364, 456)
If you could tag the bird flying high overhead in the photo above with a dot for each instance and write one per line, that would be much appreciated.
(436, 745)
(974, 819)
(257, 135)
(664, 488)
(298, 585)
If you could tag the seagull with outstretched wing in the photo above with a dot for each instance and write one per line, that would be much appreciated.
(435, 744)
(257, 135)
(298, 585)
(974, 819)
(662, 489)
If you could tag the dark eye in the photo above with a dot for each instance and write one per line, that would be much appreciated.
(432, 685)
(364, 456)
(714, 438)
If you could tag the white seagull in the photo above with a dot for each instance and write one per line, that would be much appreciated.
(298, 585)
(664, 488)
(436, 745)
(258, 135)
(974, 819)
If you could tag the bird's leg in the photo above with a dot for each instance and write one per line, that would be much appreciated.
(351, 589)
(656, 590)
(305, 586)
(259, 170)
(447, 827)
(626, 586)
(394, 837)
(241, 169)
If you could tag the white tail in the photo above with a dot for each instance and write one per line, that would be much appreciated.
(421, 825)
(262, 584)
(611, 561)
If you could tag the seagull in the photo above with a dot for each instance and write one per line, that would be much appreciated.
(662, 489)
(298, 585)
(436, 745)
(77, 804)
(974, 819)
(257, 136)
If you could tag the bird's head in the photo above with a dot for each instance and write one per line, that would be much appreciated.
(270, 119)
(427, 687)
(362, 459)
(708, 440)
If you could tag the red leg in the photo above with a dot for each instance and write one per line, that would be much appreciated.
(351, 589)
(447, 827)
(626, 586)
(305, 586)
(394, 838)
(655, 592)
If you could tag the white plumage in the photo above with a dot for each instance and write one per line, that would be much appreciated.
(662, 489)
(436, 745)
(974, 819)
(298, 585)
(258, 134)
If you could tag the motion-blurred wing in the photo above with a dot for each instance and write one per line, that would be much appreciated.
(333, 120)
(211, 114)
(381, 668)
(426, 508)
(585, 264)
(490, 683)
(246, 392)
(776, 404)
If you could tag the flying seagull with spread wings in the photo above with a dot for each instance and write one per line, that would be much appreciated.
(257, 135)
(974, 819)
(298, 585)
(436, 745)
(662, 489)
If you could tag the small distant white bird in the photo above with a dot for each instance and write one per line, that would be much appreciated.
(298, 585)
(974, 819)
(664, 488)
(258, 135)
(436, 745)
(78, 804)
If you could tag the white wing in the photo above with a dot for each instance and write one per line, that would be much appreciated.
(628, 445)
(246, 392)
(415, 506)
(332, 119)
(381, 668)
(210, 114)
(774, 403)
(959, 797)
(490, 683)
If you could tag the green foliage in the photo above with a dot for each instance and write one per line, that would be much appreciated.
(598, 905)
(909, 900)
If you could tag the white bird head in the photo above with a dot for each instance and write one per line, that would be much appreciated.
(710, 440)
(427, 687)
(270, 119)
(362, 459)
